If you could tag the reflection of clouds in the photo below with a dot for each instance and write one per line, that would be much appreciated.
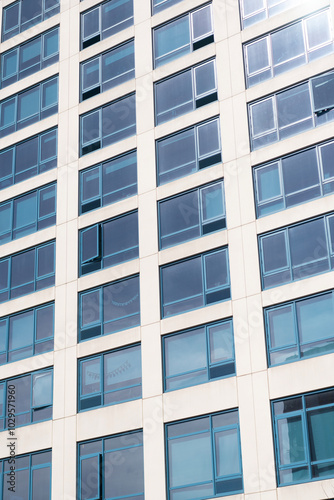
(122, 304)
(121, 369)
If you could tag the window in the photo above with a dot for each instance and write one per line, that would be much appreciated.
(30, 106)
(183, 35)
(32, 473)
(29, 57)
(288, 48)
(26, 333)
(253, 11)
(29, 158)
(33, 398)
(105, 20)
(28, 213)
(300, 329)
(109, 243)
(294, 179)
(108, 182)
(107, 70)
(109, 124)
(159, 5)
(192, 214)
(188, 151)
(112, 467)
(185, 91)
(109, 308)
(110, 378)
(21, 15)
(27, 272)
(195, 282)
(210, 355)
(292, 111)
(204, 457)
(303, 430)
(297, 252)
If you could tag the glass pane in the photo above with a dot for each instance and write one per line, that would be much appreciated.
(212, 202)
(221, 342)
(119, 178)
(44, 322)
(127, 476)
(176, 156)
(306, 250)
(9, 64)
(28, 104)
(50, 93)
(90, 246)
(23, 268)
(5, 222)
(323, 91)
(90, 125)
(48, 145)
(91, 382)
(205, 78)
(281, 325)
(119, 120)
(179, 219)
(91, 23)
(315, 318)
(25, 213)
(30, 54)
(11, 17)
(118, 65)
(291, 440)
(21, 330)
(194, 344)
(201, 22)
(6, 162)
(288, 44)
(174, 97)
(172, 40)
(45, 260)
(274, 252)
(227, 452)
(42, 389)
(90, 473)
(318, 30)
(41, 484)
(208, 138)
(7, 115)
(22, 394)
(216, 272)
(294, 106)
(268, 182)
(263, 118)
(122, 369)
(190, 460)
(120, 239)
(90, 184)
(300, 173)
(47, 201)
(257, 56)
(51, 43)
(27, 156)
(90, 308)
(91, 74)
(121, 300)
(321, 425)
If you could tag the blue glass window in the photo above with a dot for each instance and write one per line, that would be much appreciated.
(28, 213)
(294, 179)
(210, 355)
(105, 20)
(288, 48)
(29, 158)
(26, 333)
(185, 91)
(204, 457)
(29, 57)
(30, 106)
(188, 151)
(107, 70)
(33, 398)
(253, 11)
(292, 111)
(109, 308)
(111, 123)
(110, 378)
(32, 475)
(192, 214)
(28, 271)
(183, 35)
(300, 329)
(108, 182)
(103, 475)
(109, 243)
(21, 15)
(195, 282)
(297, 252)
(304, 438)
(159, 5)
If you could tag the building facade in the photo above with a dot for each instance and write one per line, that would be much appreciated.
(166, 249)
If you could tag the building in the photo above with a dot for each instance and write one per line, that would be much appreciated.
(167, 237)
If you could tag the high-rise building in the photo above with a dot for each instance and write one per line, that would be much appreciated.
(166, 249)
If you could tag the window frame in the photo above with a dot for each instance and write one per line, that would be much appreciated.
(9, 289)
(38, 219)
(302, 413)
(8, 382)
(205, 292)
(7, 319)
(103, 391)
(198, 100)
(97, 326)
(229, 363)
(201, 223)
(213, 431)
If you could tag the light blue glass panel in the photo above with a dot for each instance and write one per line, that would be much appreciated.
(51, 43)
(205, 78)
(28, 103)
(91, 376)
(30, 52)
(315, 318)
(8, 112)
(306, 251)
(208, 138)
(227, 452)
(216, 272)
(321, 425)
(174, 97)
(91, 74)
(5, 222)
(190, 460)
(50, 93)
(221, 342)
(21, 330)
(42, 389)
(3, 342)
(258, 57)
(288, 48)
(291, 442)
(9, 64)
(268, 182)
(25, 213)
(194, 344)
(172, 41)
(90, 308)
(281, 327)
(122, 368)
(212, 202)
